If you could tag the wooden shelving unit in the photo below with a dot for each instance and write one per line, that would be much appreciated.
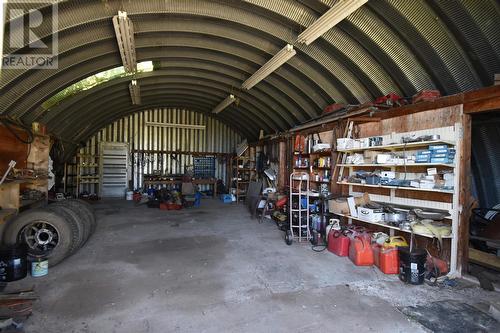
(387, 226)
(244, 171)
(405, 188)
(446, 201)
(395, 165)
(320, 167)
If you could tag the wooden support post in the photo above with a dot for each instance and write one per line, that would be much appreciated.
(465, 199)
(282, 173)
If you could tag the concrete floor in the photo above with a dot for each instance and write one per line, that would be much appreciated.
(213, 269)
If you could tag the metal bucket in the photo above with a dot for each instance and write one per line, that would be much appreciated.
(39, 268)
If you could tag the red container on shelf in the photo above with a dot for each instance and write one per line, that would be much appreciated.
(360, 251)
(338, 243)
(426, 95)
(389, 260)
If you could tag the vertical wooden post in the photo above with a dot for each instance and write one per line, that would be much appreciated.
(282, 173)
(465, 194)
(65, 177)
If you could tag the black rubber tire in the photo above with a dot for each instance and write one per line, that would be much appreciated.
(83, 214)
(67, 231)
(72, 218)
(288, 237)
(90, 212)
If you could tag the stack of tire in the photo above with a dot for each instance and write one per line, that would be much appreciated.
(53, 232)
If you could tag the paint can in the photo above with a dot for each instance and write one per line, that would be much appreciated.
(39, 268)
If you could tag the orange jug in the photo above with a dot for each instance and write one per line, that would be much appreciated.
(389, 260)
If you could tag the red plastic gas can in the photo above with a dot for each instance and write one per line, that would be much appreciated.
(338, 243)
(389, 260)
(360, 251)
(376, 254)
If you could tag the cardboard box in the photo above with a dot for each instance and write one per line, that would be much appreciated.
(383, 158)
(371, 215)
(345, 143)
(371, 155)
(388, 174)
(340, 205)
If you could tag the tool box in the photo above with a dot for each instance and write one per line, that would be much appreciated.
(438, 147)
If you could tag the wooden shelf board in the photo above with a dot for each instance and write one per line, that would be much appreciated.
(397, 146)
(396, 165)
(24, 181)
(397, 187)
(388, 226)
(25, 203)
(323, 152)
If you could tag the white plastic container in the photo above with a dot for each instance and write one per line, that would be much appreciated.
(130, 195)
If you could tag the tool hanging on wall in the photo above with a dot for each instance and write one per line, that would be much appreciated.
(12, 164)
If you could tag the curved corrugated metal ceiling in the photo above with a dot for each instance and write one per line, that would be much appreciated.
(208, 48)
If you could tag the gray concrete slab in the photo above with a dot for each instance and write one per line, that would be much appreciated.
(213, 269)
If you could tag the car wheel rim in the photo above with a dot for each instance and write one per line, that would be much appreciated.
(40, 236)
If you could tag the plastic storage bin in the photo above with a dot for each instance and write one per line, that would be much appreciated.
(226, 198)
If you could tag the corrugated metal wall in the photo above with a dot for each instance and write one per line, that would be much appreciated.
(133, 129)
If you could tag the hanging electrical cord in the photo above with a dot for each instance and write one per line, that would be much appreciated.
(11, 124)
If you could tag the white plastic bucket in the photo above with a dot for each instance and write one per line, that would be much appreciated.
(130, 195)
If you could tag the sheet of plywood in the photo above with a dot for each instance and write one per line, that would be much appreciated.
(12, 149)
(483, 258)
(9, 195)
(443, 117)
